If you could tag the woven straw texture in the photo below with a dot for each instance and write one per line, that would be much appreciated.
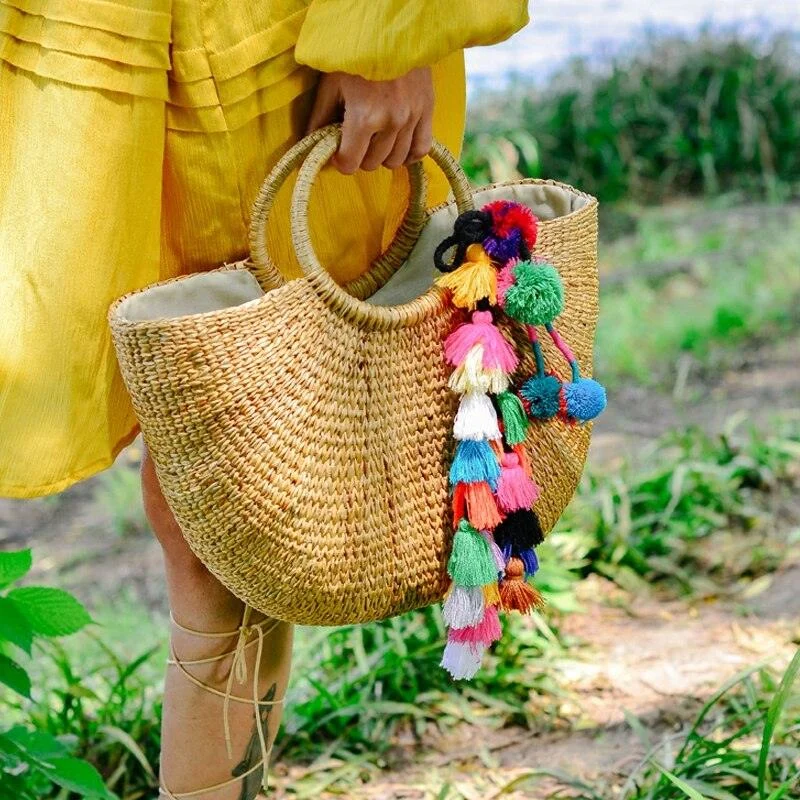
(303, 440)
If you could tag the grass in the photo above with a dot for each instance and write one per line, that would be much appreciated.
(743, 743)
(677, 116)
(697, 515)
(712, 284)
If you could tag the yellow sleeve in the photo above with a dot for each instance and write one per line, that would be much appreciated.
(384, 39)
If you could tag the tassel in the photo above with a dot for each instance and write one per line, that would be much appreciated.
(481, 507)
(459, 503)
(471, 562)
(497, 553)
(531, 562)
(464, 607)
(498, 353)
(486, 632)
(473, 281)
(491, 594)
(474, 462)
(476, 418)
(520, 529)
(524, 461)
(472, 377)
(516, 593)
(515, 489)
(515, 420)
(462, 661)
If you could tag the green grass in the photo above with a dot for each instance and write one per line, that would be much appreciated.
(723, 284)
(677, 116)
(697, 514)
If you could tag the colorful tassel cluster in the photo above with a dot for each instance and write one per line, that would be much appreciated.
(493, 492)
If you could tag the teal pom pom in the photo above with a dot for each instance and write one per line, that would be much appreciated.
(475, 462)
(537, 295)
(586, 399)
(543, 396)
(471, 562)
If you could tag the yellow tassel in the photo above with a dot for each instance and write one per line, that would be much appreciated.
(491, 595)
(474, 280)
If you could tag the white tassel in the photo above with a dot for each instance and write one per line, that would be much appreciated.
(476, 419)
(463, 607)
(472, 378)
(462, 661)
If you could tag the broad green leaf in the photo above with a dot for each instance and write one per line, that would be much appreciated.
(13, 565)
(77, 776)
(14, 627)
(14, 676)
(37, 743)
(773, 715)
(50, 612)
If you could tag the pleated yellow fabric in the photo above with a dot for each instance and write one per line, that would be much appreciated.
(135, 134)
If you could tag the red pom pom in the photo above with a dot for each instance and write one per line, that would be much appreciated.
(508, 216)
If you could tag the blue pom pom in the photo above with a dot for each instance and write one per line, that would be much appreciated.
(543, 395)
(475, 462)
(586, 399)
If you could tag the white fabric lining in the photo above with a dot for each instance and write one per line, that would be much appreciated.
(214, 291)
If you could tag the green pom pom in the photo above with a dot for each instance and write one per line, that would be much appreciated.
(537, 295)
(471, 562)
(515, 420)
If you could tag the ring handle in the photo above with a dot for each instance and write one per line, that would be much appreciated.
(353, 308)
(264, 268)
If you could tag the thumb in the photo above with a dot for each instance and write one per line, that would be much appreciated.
(326, 108)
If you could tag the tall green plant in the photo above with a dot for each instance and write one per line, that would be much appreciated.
(677, 116)
(33, 762)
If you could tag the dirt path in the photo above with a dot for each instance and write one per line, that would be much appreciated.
(655, 661)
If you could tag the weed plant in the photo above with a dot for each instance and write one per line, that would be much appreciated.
(677, 116)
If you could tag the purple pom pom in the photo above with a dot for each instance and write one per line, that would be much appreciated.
(503, 248)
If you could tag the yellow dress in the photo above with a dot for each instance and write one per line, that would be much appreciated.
(133, 137)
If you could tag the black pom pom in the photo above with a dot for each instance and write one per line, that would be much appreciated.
(469, 228)
(520, 530)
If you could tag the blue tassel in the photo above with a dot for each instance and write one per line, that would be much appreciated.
(528, 558)
(531, 562)
(475, 462)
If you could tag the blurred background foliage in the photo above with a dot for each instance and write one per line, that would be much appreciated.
(676, 116)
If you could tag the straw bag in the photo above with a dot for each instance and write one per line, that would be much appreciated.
(302, 433)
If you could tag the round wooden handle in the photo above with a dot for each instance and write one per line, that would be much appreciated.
(265, 269)
(345, 304)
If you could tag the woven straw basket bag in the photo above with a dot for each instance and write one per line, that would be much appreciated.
(302, 431)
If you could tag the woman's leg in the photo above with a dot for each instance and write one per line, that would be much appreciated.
(194, 753)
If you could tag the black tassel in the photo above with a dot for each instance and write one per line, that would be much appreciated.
(520, 530)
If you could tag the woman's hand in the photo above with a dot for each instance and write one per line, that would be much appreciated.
(383, 122)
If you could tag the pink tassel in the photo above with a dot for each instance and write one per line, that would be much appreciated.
(488, 630)
(497, 553)
(497, 352)
(462, 661)
(515, 489)
(505, 280)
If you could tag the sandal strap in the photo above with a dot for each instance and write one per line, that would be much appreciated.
(239, 671)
